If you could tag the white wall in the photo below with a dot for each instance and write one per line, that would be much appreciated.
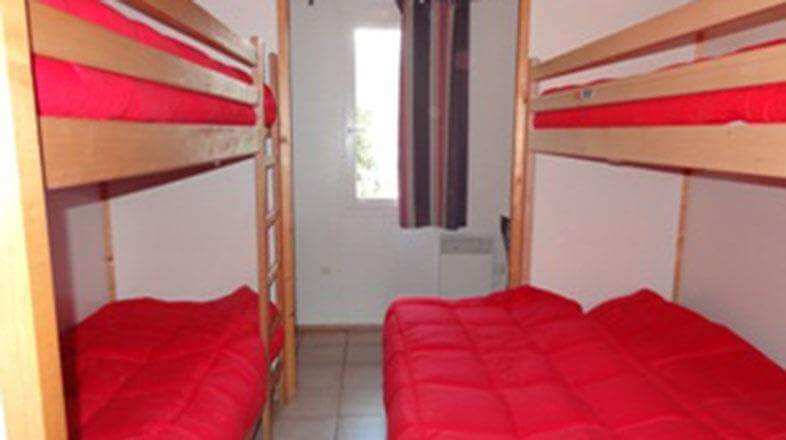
(193, 238)
(76, 233)
(190, 239)
(600, 230)
(735, 257)
(352, 260)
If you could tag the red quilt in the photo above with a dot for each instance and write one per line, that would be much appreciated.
(149, 369)
(764, 103)
(70, 90)
(528, 364)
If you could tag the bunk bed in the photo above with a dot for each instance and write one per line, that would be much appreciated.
(89, 97)
(527, 363)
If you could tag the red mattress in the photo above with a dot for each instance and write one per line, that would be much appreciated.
(149, 369)
(528, 364)
(759, 104)
(70, 90)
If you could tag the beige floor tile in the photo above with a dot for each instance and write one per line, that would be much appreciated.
(319, 375)
(364, 354)
(312, 402)
(370, 337)
(361, 428)
(363, 376)
(305, 428)
(321, 338)
(359, 402)
(321, 355)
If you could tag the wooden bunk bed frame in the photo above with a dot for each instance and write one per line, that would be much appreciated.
(38, 154)
(747, 149)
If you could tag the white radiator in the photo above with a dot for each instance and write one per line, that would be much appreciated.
(466, 265)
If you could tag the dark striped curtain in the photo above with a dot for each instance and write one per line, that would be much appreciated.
(434, 113)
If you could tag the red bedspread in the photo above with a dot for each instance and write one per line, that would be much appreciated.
(528, 364)
(149, 369)
(760, 104)
(70, 90)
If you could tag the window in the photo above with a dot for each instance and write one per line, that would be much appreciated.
(374, 131)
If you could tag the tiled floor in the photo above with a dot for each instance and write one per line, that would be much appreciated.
(339, 389)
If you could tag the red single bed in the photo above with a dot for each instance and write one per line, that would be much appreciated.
(758, 104)
(66, 89)
(149, 369)
(529, 364)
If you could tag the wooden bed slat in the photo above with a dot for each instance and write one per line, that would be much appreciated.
(755, 67)
(190, 19)
(94, 46)
(82, 151)
(739, 149)
(678, 23)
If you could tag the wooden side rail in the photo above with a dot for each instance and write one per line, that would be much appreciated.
(754, 67)
(679, 25)
(189, 18)
(82, 151)
(63, 36)
(745, 149)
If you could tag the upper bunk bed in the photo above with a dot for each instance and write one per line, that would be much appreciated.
(722, 114)
(156, 103)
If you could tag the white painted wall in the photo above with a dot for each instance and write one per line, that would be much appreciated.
(77, 241)
(193, 238)
(735, 258)
(353, 260)
(599, 230)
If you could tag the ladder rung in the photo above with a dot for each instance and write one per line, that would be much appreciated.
(272, 218)
(276, 375)
(272, 275)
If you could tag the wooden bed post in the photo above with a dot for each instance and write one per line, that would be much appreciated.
(109, 252)
(521, 178)
(30, 376)
(260, 177)
(680, 240)
(287, 201)
(679, 250)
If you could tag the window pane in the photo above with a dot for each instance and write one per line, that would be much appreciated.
(375, 131)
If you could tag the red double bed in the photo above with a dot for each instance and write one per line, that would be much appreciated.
(527, 363)
(764, 103)
(149, 369)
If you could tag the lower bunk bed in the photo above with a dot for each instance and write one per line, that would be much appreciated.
(150, 369)
(527, 363)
